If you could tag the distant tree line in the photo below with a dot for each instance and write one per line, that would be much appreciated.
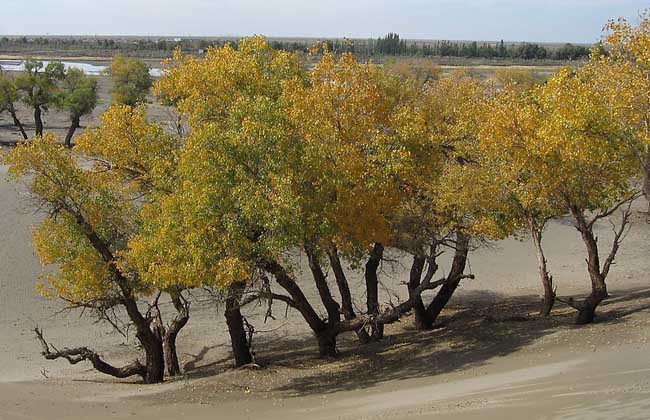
(389, 45)
(393, 45)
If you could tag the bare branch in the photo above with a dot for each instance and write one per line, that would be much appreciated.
(606, 213)
(619, 236)
(80, 354)
(394, 313)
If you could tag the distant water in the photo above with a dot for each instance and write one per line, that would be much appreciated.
(91, 69)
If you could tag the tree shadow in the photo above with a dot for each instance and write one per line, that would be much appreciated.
(192, 369)
(474, 330)
(621, 304)
(467, 336)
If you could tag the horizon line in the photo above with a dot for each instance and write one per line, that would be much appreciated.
(298, 38)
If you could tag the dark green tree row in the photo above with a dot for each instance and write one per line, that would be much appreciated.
(389, 45)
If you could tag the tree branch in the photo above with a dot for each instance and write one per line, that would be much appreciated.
(619, 236)
(394, 313)
(80, 354)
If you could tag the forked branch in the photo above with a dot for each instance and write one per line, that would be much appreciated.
(80, 354)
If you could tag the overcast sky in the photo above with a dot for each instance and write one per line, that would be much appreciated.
(512, 20)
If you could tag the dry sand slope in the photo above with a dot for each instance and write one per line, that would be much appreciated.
(490, 360)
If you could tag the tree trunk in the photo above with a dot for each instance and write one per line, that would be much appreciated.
(300, 300)
(149, 336)
(38, 121)
(327, 343)
(18, 124)
(421, 320)
(331, 306)
(155, 360)
(171, 356)
(646, 186)
(171, 333)
(344, 291)
(73, 127)
(152, 343)
(372, 288)
(453, 280)
(547, 280)
(239, 342)
(342, 284)
(587, 308)
(325, 334)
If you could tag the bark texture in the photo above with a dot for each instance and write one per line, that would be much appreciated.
(38, 121)
(547, 280)
(372, 289)
(235, 321)
(172, 331)
(452, 281)
(80, 354)
(74, 124)
(18, 123)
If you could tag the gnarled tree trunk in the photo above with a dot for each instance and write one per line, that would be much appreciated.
(344, 290)
(547, 280)
(18, 124)
(326, 336)
(172, 331)
(150, 336)
(587, 308)
(235, 322)
(372, 288)
(38, 121)
(453, 279)
(151, 340)
(74, 124)
(421, 320)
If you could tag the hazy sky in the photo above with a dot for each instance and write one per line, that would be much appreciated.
(513, 20)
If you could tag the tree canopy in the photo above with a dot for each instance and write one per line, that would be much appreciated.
(130, 80)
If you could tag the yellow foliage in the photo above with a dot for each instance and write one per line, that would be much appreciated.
(82, 200)
(519, 79)
(420, 69)
(131, 147)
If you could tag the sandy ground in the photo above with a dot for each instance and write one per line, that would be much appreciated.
(490, 358)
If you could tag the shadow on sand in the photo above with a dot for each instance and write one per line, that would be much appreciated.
(484, 327)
